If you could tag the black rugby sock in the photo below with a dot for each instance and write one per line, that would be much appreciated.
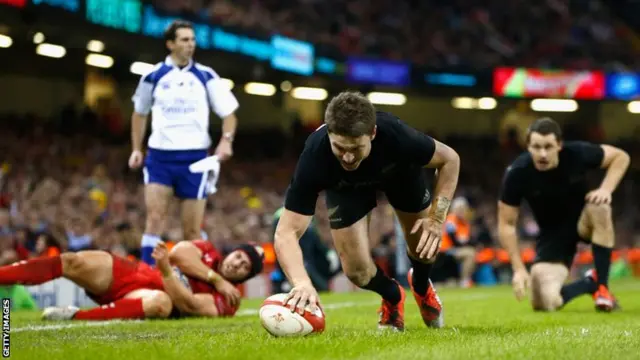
(602, 262)
(383, 285)
(421, 273)
(577, 288)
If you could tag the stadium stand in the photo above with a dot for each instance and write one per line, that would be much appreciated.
(443, 34)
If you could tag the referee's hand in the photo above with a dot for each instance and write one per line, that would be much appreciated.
(135, 160)
(224, 150)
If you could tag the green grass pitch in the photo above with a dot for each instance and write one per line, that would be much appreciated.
(486, 323)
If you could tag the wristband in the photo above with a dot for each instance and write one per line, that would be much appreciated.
(212, 276)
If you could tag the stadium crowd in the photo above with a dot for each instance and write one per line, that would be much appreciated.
(62, 188)
(578, 34)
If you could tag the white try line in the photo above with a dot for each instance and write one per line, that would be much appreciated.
(245, 312)
(72, 325)
(248, 312)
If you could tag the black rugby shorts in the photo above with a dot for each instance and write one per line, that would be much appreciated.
(407, 190)
(559, 243)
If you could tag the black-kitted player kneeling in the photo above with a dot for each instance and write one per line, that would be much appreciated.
(551, 177)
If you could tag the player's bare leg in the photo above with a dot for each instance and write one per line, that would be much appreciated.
(138, 304)
(546, 284)
(596, 223)
(157, 198)
(91, 270)
(192, 212)
(421, 286)
(352, 244)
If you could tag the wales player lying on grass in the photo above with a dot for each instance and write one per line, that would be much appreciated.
(200, 282)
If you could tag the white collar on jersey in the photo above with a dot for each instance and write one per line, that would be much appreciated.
(168, 61)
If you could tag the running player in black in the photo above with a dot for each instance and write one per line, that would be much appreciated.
(551, 178)
(356, 153)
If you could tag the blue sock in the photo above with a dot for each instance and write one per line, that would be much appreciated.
(149, 242)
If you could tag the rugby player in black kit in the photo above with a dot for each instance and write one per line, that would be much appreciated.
(356, 153)
(551, 178)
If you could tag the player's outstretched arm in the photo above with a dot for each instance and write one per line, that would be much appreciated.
(508, 233)
(290, 229)
(447, 161)
(508, 237)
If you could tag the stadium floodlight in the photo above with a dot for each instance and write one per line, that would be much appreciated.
(260, 89)
(5, 41)
(99, 60)
(228, 83)
(554, 105)
(463, 103)
(309, 93)
(38, 38)
(96, 46)
(51, 50)
(286, 86)
(140, 68)
(634, 107)
(487, 103)
(384, 98)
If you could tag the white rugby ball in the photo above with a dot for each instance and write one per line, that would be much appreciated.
(279, 321)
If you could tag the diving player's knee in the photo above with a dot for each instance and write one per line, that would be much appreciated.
(599, 214)
(157, 305)
(360, 274)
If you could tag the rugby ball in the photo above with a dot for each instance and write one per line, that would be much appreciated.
(279, 321)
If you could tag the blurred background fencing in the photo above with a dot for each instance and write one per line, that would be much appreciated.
(473, 74)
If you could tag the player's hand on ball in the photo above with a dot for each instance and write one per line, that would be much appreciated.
(230, 292)
(161, 255)
(301, 296)
(520, 283)
(430, 237)
(598, 197)
(135, 160)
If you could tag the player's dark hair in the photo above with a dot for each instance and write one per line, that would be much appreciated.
(350, 114)
(172, 30)
(545, 126)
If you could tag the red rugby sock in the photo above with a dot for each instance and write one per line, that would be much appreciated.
(120, 309)
(31, 272)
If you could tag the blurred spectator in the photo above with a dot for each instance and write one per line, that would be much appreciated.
(457, 241)
(456, 33)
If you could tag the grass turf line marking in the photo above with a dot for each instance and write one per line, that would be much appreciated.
(72, 325)
(246, 312)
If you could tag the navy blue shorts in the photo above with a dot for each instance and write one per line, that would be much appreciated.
(171, 168)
